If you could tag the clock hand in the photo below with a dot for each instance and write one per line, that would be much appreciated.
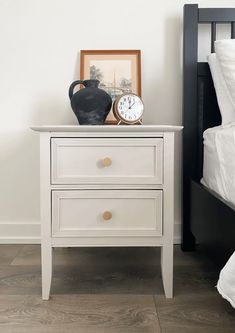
(131, 105)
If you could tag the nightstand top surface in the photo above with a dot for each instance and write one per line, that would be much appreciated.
(107, 128)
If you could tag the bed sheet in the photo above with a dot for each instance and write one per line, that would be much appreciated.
(219, 161)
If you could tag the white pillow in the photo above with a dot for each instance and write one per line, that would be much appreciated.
(225, 52)
(225, 102)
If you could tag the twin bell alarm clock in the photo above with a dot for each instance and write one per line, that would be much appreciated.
(128, 109)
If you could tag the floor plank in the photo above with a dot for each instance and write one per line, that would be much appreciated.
(195, 312)
(78, 313)
(30, 255)
(147, 256)
(8, 253)
(15, 280)
(191, 279)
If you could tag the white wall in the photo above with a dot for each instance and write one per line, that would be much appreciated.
(40, 42)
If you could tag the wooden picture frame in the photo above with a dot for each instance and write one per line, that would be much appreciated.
(118, 71)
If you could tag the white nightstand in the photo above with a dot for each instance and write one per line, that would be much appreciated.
(107, 186)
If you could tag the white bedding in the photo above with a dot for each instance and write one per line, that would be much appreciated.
(226, 283)
(219, 146)
(225, 102)
(219, 175)
(225, 52)
(219, 161)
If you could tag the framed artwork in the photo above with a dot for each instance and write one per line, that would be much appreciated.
(119, 71)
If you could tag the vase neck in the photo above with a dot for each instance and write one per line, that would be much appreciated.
(91, 83)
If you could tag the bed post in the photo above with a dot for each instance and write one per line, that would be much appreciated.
(190, 48)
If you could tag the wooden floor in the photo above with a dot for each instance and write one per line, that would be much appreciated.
(109, 290)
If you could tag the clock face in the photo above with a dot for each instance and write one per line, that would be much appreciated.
(129, 108)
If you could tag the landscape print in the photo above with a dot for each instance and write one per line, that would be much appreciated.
(114, 76)
(118, 72)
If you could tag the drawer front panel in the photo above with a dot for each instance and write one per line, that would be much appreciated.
(106, 213)
(106, 161)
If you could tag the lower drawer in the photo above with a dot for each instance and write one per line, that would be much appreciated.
(77, 213)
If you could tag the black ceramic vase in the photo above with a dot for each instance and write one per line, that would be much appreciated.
(91, 105)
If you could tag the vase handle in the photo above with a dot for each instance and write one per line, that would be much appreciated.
(71, 88)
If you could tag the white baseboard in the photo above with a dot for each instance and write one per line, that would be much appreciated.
(29, 233)
(177, 233)
(20, 233)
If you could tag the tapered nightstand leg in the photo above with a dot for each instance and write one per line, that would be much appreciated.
(46, 255)
(167, 269)
(168, 213)
(45, 200)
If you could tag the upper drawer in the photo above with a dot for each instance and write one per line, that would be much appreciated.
(106, 161)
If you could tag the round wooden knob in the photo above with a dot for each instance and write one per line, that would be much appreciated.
(107, 162)
(107, 215)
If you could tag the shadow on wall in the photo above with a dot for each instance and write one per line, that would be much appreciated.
(52, 106)
(49, 110)
(168, 86)
(168, 92)
(19, 177)
(19, 195)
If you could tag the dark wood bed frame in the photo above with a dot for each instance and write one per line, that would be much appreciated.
(207, 218)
